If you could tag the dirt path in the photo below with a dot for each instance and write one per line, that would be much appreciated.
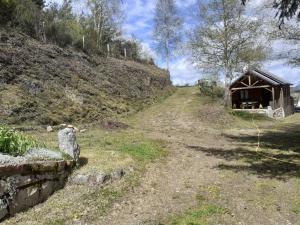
(196, 153)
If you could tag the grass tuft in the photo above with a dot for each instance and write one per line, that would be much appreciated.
(144, 151)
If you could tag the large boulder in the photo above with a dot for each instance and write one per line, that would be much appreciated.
(67, 143)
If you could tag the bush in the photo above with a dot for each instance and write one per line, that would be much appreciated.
(218, 92)
(7, 9)
(15, 143)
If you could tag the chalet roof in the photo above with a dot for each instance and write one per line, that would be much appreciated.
(297, 88)
(266, 76)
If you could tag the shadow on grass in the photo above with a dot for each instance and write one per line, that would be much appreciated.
(280, 156)
(266, 165)
(286, 140)
(82, 161)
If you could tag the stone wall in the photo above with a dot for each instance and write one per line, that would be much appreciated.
(25, 185)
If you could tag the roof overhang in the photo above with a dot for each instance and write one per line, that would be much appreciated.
(269, 78)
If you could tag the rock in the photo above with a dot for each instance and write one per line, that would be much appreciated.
(68, 144)
(3, 209)
(93, 179)
(42, 153)
(46, 190)
(4, 187)
(24, 199)
(83, 130)
(6, 159)
(99, 178)
(80, 179)
(118, 174)
(49, 129)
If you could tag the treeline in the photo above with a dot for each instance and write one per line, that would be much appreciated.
(96, 29)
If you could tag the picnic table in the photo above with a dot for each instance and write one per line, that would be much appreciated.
(249, 105)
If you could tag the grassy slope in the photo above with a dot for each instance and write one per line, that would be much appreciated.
(45, 84)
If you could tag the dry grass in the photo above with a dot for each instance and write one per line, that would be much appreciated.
(100, 151)
(222, 154)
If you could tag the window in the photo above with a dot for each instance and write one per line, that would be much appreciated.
(244, 94)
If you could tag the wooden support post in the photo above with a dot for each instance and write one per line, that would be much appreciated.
(249, 78)
(273, 97)
(281, 98)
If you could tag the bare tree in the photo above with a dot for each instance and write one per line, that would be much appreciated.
(105, 15)
(167, 28)
(225, 40)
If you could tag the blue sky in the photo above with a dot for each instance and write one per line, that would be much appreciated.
(139, 22)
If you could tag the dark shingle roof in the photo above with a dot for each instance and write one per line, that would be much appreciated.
(264, 75)
(273, 77)
(297, 88)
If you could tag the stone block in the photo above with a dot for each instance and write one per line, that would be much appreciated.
(68, 144)
(118, 174)
(99, 178)
(47, 189)
(4, 187)
(24, 199)
(3, 209)
(20, 181)
(80, 179)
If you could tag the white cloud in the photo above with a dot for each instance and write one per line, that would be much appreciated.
(183, 72)
(284, 70)
(185, 3)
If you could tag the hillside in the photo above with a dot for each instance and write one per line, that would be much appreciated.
(44, 84)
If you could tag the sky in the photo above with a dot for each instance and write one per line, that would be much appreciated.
(139, 22)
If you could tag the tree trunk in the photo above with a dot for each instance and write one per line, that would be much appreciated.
(168, 55)
(227, 94)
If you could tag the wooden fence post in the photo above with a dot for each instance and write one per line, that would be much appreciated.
(108, 50)
(125, 53)
(83, 40)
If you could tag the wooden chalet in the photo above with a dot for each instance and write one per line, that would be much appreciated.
(258, 89)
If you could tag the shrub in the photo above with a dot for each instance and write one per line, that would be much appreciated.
(7, 8)
(15, 143)
(218, 92)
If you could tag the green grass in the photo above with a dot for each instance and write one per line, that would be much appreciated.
(110, 150)
(144, 151)
(104, 151)
(249, 116)
(200, 215)
(15, 143)
(295, 203)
